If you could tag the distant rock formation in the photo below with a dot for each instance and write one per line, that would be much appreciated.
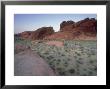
(88, 25)
(85, 24)
(37, 34)
(67, 25)
(25, 34)
(82, 30)
(41, 33)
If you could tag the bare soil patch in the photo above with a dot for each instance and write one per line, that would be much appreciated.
(55, 43)
(28, 63)
(19, 48)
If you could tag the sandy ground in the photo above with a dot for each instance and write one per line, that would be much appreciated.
(56, 43)
(28, 63)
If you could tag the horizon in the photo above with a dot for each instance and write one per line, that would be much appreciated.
(32, 22)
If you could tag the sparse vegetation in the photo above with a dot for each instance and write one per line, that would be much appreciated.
(75, 58)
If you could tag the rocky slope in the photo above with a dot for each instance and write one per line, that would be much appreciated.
(82, 30)
(37, 34)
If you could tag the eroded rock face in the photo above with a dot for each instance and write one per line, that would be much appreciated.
(84, 29)
(41, 33)
(88, 24)
(67, 25)
(25, 34)
(37, 34)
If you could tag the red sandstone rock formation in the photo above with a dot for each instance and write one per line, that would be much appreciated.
(37, 34)
(82, 30)
(41, 33)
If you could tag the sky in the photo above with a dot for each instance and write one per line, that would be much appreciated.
(31, 22)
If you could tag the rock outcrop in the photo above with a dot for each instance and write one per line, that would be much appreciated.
(25, 34)
(67, 25)
(86, 25)
(37, 34)
(41, 33)
(82, 30)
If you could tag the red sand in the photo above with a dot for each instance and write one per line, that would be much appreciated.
(56, 43)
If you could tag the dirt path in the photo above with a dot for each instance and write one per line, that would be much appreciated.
(28, 63)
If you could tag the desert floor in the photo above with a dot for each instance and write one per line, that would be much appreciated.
(28, 63)
(55, 58)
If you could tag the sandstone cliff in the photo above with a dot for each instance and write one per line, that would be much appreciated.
(82, 30)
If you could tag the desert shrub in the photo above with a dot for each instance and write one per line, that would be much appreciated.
(76, 58)
(21, 41)
(72, 70)
(72, 59)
